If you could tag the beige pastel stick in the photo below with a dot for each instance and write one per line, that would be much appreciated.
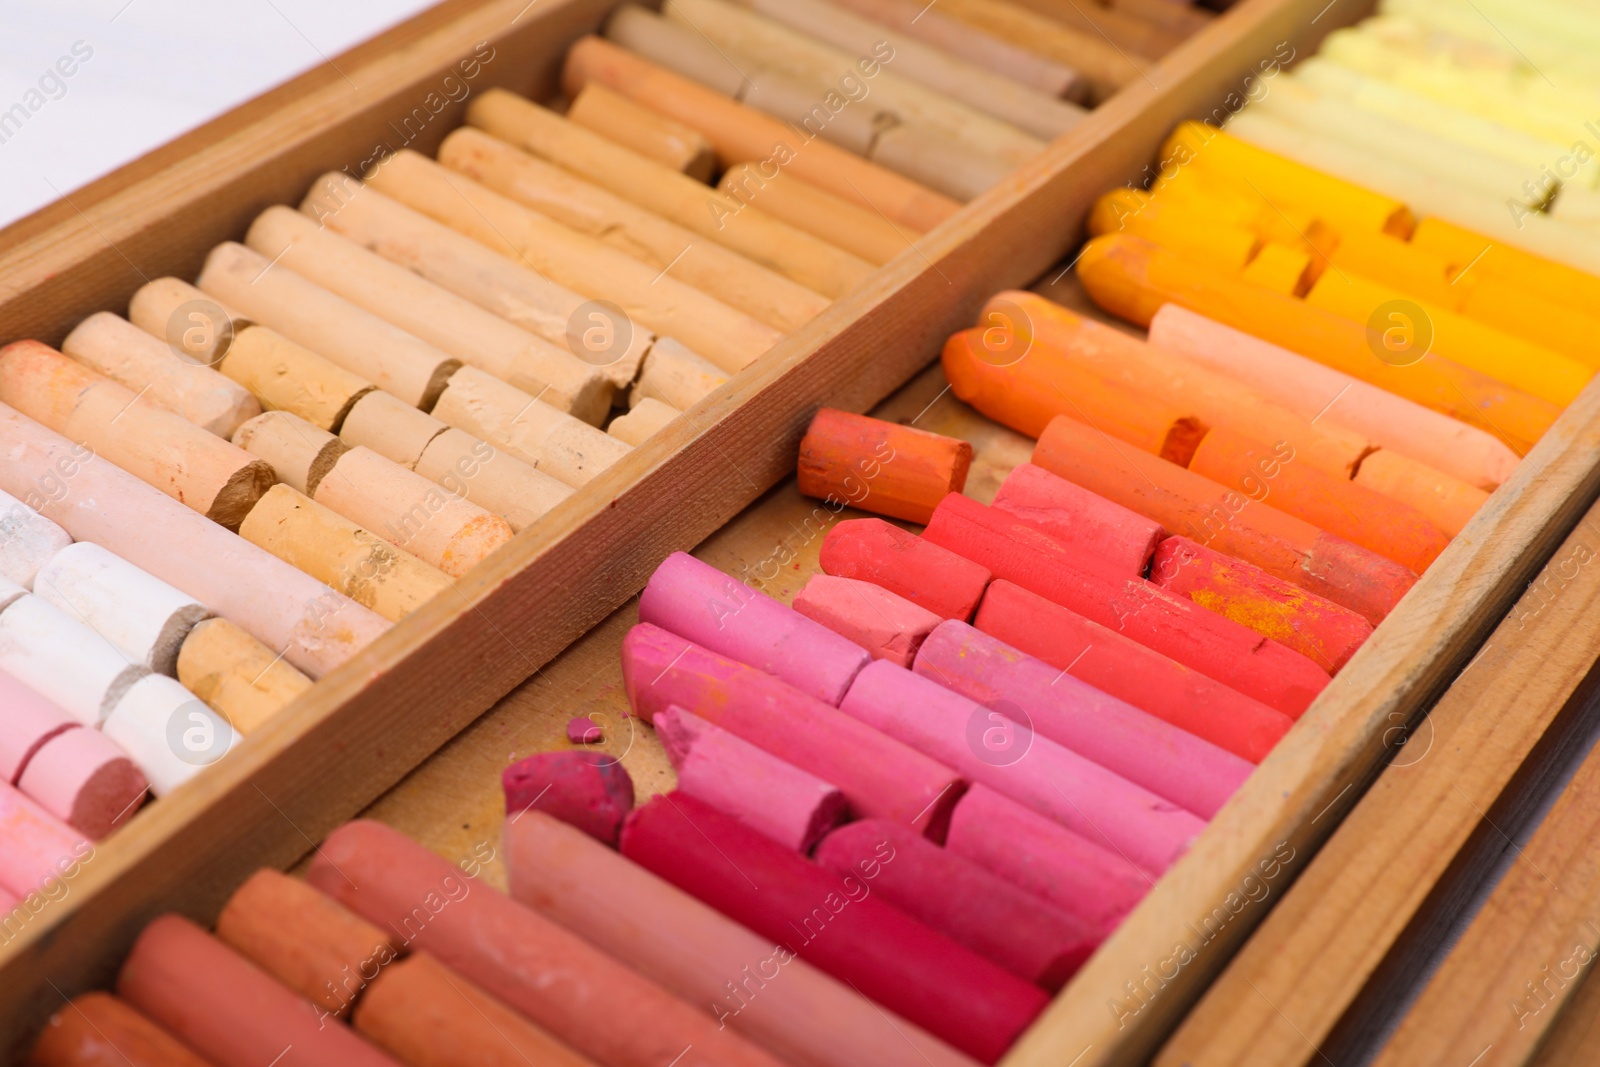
(1105, 66)
(163, 374)
(237, 676)
(588, 209)
(535, 433)
(332, 549)
(816, 211)
(921, 153)
(648, 295)
(430, 312)
(462, 464)
(165, 450)
(285, 376)
(802, 257)
(307, 314)
(400, 506)
(675, 376)
(642, 421)
(474, 272)
(300, 618)
(664, 140)
(192, 323)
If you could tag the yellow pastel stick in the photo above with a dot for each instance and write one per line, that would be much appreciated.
(1280, 268)
(1174, 224)
(1473, 253)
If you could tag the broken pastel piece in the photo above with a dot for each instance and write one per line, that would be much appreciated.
(929, 576)
(1081, 521)
(590, 790)
(886, 624)
(881, 467)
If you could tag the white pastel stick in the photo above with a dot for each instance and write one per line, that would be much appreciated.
(63, 660)
(27, 540)
(146, 618)
(168, 731)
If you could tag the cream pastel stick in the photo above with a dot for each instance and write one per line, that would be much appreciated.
(301, 619)
(428, 311)
(675, 376)
(536, 433)
(329, 325)
(168, 731)
(149, 364)
(64, 660)
(35, 846)
(241, 679)
(144, 617)
(655, 136)
(193, 324)
(27, 541)
(165, 450)
(10, 592)
(287, 376)
(854, 228)
(642, 421)
(510, 289)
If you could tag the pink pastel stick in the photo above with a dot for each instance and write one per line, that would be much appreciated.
(789, 805)
(1046, 859)
(1148, 752)
(1019, 931)
(1009, 757)
(35, 846)
(27, 721)
(82, 778)
(1082, 521)
(886, 624)
(698, 602)
(878, 775)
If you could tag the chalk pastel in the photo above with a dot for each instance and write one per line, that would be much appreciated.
(1080, 521)
(84, 779)
(63, 660)
(589, 790)
(144, 617)
(168, 731)
(904, 471)
(35, 846)
(242, 679)
(27, 541)
(98, 1030)
(887, 625)
(929, 576)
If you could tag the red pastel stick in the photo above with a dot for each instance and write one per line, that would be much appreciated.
(875, 551)
(1028, 937)
(547, 973)
(1129, 671)
(886, 624)
(878, 775)
(1081, 521)
(1148, 752)
(589, 790)
(1220, 648)
(837, 924)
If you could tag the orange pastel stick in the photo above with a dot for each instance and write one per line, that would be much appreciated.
(1133, 278)
(881, 467)
(741, 134)
(98, 1030)
(1472, 253)
(1171, 223)
(1215, 516)
(1449, 504)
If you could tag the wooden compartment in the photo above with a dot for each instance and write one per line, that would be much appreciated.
(364, 728)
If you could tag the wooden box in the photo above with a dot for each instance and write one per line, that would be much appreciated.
(364, 728)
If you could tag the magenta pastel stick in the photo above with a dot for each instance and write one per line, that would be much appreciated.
(987, 747)
(82, 778)
(878, 775)
(886, 624)
(35, 846)
(1080, 520)
(698, 602)
(590, 790)
(1042, 857)
(775, 798)
(1148, 752)
(973, 907)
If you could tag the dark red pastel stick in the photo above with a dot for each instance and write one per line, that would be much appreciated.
(837, 924)
(1081, 521)
(589, 790)
(875, 551)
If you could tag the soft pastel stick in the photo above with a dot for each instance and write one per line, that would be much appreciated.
(1150, 753)
(878, 775)
(309, 624)
(287, 376)
(675, 376)
(168, 731)
(82, 778)
(541, 970)
(646, 132)
(775, 798)
(903, 471)
(702, 604)
(643, 421)
(1447, 502)
(144, 617)
(35, 846)
(757, 989)
(971, 906)
(991, 748)
(589, 790)
(1171, 223)
(27, 540)
(223, 1006)
(931, 577)
(10, 592)
(836, 924)
(1241, 526)
(63, 660)
(30, 720)
(1040, 856)
(1080, 521)
(98, 1030)
(197, 328)
(1127, 670)
(1485, 256)
(242, 679)
(887, 625)
(852, 227)
(1215, 646)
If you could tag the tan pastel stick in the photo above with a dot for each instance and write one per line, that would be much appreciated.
(675, 376)
(192, 323)
(332, 549)
(307, 314)
(165, 450)
(652, 297)
(852, 227)
(1176, 16)
(920, 153)
(650, 134)
(241, 679)
(426, 310)
(390, 427)
(643, 420)
(1126, 31)
(475, 272)
(126, 354)
(285, 376)
(793, 253)
(535, 433)
(587, 209)
(1097, 59)
(400, 506)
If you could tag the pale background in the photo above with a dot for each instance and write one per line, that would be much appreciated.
(159, 68)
